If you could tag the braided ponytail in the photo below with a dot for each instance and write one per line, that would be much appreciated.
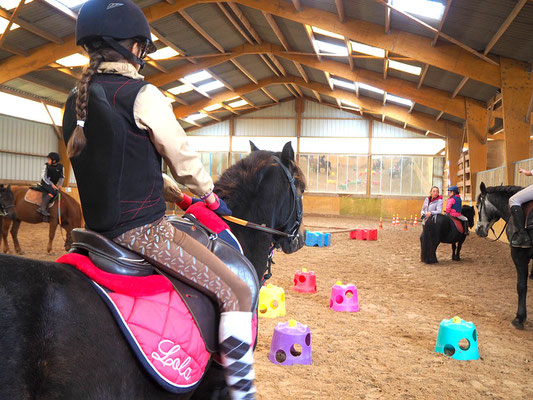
(78, 140)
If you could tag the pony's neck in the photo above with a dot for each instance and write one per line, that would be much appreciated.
(502, 205)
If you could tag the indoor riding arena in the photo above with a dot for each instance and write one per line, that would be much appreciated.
(372, 104)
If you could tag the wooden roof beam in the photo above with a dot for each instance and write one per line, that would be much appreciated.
(269, 65)
(270, 95)
(449, 57)
(417, 119)
(340, 10)
(297, 5)
(317, 95)
(311, 37)
(201, 31)
(7, 30)
(387, 20)
(277, 63)
(230, 18)
(241, 68)
(422, 76)
(32, 28)
(235, 8)
(170, 44)
(430, 97)
(441, 23)
(459, 87)
(434, 30)
(290, 89)
(516, 10)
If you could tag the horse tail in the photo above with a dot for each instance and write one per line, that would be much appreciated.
(427, 247)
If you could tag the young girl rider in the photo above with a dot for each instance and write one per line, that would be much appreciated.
(432, 204)
(51, 180)
(454, 206)
(118, 128)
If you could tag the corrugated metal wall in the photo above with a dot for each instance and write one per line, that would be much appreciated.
(285, 109)
(219, 129)
(380, 130)
(334, 127)
(313, 109)
(19, 135)
(265, 127)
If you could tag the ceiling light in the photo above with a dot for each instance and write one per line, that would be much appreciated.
(180, 89)
(332, 48)
(198, 76)
(344, 84)
(239, 103)
(371, 88)
(410, 69)
(426, 8)
(366, 49)
(194, 117)
(164, 53)
(154, 37)
(74, 60)
(327, 33)
(206, 87)
(349, 104)
(213, 107)
(3, 25)
(72, 3)
(233, 98)
(399, 100)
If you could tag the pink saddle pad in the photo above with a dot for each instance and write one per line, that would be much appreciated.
(155, 321)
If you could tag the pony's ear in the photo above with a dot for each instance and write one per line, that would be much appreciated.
(483, 188)
(253, 147)
(1, 185)
(287, 154)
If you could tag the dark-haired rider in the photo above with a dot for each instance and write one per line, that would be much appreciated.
(118, 128)
(51, 180)
(521, 237)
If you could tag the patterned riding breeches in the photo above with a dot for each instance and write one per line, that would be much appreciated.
(189, 261)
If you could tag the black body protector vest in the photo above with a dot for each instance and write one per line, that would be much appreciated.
(54, 172)
(119, 171)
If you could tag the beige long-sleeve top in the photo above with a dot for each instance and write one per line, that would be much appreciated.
(152, 111)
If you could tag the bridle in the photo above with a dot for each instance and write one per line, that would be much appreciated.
(481, 202)
(284, 232)
(3, 209)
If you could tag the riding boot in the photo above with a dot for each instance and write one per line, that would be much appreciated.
(521, 237)
(236, 351)
(43, 209)
(465, 228)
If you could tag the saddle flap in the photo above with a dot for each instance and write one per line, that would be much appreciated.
(527, 207)
(108, 255)
(458, 224)
(35, 196)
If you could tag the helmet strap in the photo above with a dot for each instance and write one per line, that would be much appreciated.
(123, 51)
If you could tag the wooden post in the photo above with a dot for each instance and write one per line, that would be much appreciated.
(231, 134)
(454, 146)
(299, 107)
(517, 85)
(476, 123)
(369, 159)
(62, 150)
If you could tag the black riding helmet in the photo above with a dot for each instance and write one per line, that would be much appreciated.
(54, 156)
(102, 23)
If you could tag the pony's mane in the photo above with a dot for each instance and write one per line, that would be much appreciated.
(509, 189)
(239, 182)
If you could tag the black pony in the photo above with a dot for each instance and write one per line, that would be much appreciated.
(440, 228)
(58, 340)
(493, 204)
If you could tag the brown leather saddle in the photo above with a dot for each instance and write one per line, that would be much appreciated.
(115, 259)
(458, 224)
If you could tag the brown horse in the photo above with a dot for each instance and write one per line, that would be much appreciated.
(69, 215)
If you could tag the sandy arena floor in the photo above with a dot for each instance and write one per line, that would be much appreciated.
(385, 351)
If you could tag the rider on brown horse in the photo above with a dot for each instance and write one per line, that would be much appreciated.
(51, 180)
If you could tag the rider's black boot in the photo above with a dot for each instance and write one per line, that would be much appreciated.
(521, 237)
(44, 205)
